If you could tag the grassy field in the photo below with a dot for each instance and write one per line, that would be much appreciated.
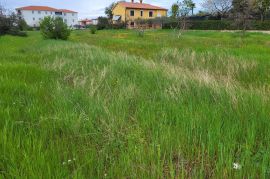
(115, 105)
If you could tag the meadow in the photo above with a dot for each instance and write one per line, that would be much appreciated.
(116, 105)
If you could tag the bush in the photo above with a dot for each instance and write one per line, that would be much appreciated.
(22, 25)
(12, 24)
(103, 23)
(93, 30)
(17, 33)
(54, 28)
(120, 25)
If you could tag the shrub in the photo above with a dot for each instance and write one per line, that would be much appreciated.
(54, 28)
(22, 25)
(93, 30)
(17, 33)
(120, 25)
(103, 23)
(12, 24)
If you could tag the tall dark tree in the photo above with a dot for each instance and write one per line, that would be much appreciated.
(175, 10)
(262, 7)
(242, 14)
(109, 10)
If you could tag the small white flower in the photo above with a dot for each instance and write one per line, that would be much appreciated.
(64, 163)
(236, 166)
(69, 161)
(74, 159)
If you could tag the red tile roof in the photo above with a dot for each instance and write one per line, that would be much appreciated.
(140, 6)
(44, 8)
(85, 20)
(67, 11)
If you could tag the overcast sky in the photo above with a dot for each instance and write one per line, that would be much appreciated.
(86, 8)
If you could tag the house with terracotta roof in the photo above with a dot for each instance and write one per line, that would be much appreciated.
(85, 22)
(129, 12)
(34, 14)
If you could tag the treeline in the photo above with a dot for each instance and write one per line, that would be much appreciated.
(220, 14)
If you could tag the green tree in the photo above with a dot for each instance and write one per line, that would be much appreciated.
(174, 10)
(262, 7)
(242, 14)
(109, 11)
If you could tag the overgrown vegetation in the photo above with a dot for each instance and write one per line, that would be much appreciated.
(54, 28)
(12, 24)
(93, 29)
(153, 107)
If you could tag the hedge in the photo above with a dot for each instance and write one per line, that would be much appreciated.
(219, 25)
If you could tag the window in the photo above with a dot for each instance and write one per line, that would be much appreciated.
(39, 12)
(33, 12)
(72, 14)
(39, 19)
(51, 13)
(131, 12)
(150, 13)
(73, 20)
(65, 14)
(58, 13)
(65, 21)
(132, 24)
(141, 13)
(46, 12)
(34, 18)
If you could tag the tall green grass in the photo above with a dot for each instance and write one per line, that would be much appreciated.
(73, 110)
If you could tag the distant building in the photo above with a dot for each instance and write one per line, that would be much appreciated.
(34, 14)
(85, 22)
(95, 21)
(129, 12)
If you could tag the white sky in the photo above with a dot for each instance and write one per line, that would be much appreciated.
(86, 8)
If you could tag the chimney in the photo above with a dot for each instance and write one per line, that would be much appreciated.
(132, 1)
(141, 1)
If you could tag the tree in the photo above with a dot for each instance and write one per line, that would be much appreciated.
(192, 6)
(217, 7)
(184, 9)
(242, 14)
(262, 7)
(174, 10)
(109, 11)
(54, 28)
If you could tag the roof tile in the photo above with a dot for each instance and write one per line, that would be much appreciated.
(140, 6)
(44, 8)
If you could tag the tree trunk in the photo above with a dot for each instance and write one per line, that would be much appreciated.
(262, 17)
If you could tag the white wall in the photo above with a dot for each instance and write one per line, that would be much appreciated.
(33, 19)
